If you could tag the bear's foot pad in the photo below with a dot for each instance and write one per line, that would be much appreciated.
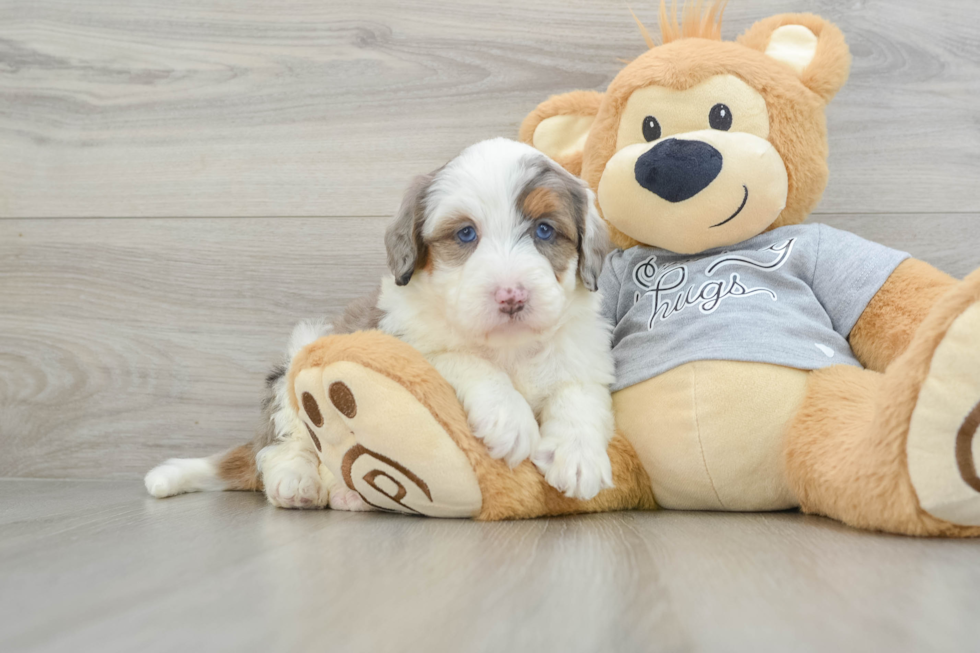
(943, 446)
(384, 443)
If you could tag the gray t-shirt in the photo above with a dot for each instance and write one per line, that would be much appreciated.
(789, 296)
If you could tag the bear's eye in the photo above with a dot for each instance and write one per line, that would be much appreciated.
(651, 129)
(720, 117)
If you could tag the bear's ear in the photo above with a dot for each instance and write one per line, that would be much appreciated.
(813, 47)
(560, 125)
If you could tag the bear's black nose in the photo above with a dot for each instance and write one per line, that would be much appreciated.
(678, 170)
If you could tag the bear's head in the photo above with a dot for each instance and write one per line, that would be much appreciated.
(701, 143)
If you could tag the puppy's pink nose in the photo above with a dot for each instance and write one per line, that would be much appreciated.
(511, 299)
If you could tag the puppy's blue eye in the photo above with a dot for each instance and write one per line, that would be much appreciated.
(544, 231)
(466, 235)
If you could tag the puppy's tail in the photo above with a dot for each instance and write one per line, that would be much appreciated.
(237, 469)
(232, 470)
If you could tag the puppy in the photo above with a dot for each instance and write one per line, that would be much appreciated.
(494, 259)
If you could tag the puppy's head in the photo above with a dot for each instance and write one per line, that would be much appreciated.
(502, 237)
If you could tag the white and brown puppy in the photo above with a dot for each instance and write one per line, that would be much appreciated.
(494, 258)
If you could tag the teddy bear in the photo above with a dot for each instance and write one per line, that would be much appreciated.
(762, 363)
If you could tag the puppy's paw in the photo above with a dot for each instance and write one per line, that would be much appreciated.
(507, 426)
(344, 498)
(179, 475)
(294, 484)
(164, 480)
(578, 468)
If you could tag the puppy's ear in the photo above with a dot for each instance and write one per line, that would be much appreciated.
(593, 236)
(560, 125)
(403, 237)
(593, 243)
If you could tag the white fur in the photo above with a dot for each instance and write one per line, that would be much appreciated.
(305, 333)
(180, 475)
(291, 474)
(552, 365)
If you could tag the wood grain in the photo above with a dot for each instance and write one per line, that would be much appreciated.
(101, 566)
(127, 341)
(133, 108)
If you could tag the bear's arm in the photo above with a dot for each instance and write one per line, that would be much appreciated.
(887, 325)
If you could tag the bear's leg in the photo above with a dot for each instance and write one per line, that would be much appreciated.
(898, 451)
(390, 428)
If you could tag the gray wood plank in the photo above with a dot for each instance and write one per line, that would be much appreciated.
(127, 341)
(304, 108)
(100, 566)
(950, 242)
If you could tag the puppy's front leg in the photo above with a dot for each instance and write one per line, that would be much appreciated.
(294, 478)
(290, 474)
(576, 427)
(497, 413)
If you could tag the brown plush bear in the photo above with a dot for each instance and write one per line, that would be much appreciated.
(762, 364)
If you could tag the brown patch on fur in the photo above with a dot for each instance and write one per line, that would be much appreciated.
(890, 320)
(539, 202)
(238, 470)
(554, 200)
(560, 251)
(445, 249)
(507, 494)
(846, 448)
(558, 202)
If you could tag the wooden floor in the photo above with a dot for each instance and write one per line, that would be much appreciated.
(181, 181)
(96, 565)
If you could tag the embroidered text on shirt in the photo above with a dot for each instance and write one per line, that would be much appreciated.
(710, 294)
